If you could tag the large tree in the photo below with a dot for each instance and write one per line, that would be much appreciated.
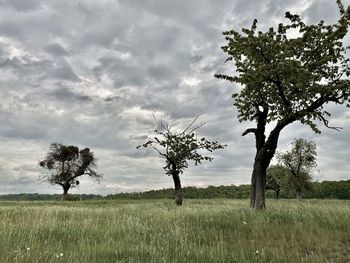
(286, 77)
(178, 147)
(300, 161)
(64, 165)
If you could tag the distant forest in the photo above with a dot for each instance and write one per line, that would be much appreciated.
(322, 190)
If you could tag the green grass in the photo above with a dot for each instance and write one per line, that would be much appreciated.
(157, 231)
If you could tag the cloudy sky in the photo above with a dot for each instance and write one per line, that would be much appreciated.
(92, 72)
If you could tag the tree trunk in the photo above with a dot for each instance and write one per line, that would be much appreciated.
(257, 200)
(66, 187)
(277, 194)
(264, 154)
(178, 190)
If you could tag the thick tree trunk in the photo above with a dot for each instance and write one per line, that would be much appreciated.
(178, 190)
(265, 150)
(264, 154)
(257, 200)
(66, 188)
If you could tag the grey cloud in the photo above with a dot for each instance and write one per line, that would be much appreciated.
(11, 29)
(56, 49)
(22, 6)
(322, 10)
(63, 70)
(64, 94)
(28, 67)
(91, 73)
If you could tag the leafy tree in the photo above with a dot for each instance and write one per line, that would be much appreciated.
(179, 147)
(300, 160)
(64, 165)
(286, 78)
(277, 175)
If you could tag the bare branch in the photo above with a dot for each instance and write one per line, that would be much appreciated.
(159, 151)
(161, 124)
(253, 130)
(326, 123)
(191, 123)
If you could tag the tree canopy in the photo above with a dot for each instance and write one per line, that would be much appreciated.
(299, 161)
(287, 74)
(277, 175)
(63, 165)
(178, 147)
(290, 78)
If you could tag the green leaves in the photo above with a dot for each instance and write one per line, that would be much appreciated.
(180, 147)
(293, 71)
(64, 164)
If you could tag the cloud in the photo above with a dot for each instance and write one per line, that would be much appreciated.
(56, 49)
(92, 73)
(22, 6)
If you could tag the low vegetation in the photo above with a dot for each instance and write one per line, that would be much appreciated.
(323, 190)
(156, 231)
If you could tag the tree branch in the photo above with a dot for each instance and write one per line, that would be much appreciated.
(250, 130)
(326, 123)
(162, 154)
(190, 125)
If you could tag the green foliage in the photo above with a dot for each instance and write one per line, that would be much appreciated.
(231, 191)
(276, 177)
(290, 77)
(179, 147)
(300, 160)
(63, 165)
(323, 190)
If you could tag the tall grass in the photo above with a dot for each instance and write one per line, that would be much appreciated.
(157, 231)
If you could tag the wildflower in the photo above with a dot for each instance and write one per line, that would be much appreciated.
(28, 248)
(61, 255)
(256, 252)
(244, 222)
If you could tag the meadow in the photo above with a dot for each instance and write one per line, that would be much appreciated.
(216, 230)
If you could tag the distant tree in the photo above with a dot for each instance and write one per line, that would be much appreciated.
(179, 147)
(287, 77)
(277, 176)
(300, 161)
(64, 165)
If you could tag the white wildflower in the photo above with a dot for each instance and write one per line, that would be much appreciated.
(244, 222)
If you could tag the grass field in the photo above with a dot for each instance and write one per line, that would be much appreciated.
(157, 231)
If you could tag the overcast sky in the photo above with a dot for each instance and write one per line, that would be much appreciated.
(91, 73)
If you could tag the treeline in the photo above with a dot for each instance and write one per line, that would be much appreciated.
(47, 197)
(323, 190)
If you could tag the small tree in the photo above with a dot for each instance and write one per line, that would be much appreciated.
(179, 147)
(63, 166)
(300, 161)
(277, 176)
(287, 78)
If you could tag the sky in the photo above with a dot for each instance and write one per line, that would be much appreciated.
(92, 73)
